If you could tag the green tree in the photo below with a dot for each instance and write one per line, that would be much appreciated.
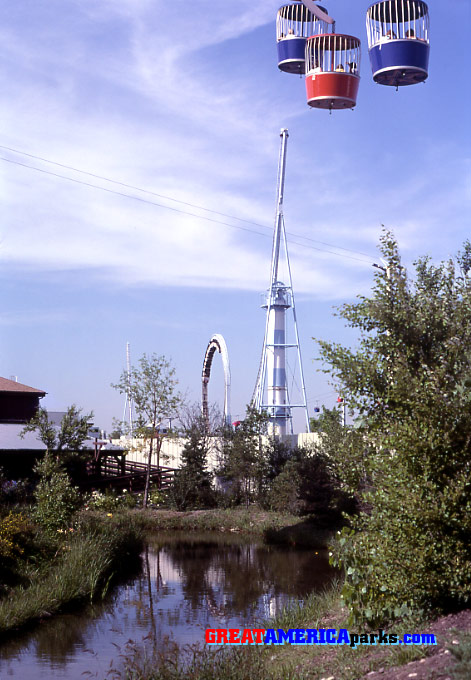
(344, 452)
(244, 457)
(192, 485)
(284, 492)
(328, 420)
(308, 485)
(153, 389)
(65, 441)
(409, 381)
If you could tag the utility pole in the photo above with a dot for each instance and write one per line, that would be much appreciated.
(128, 414)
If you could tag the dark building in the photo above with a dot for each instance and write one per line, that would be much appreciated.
(18, 403)
(20, 450)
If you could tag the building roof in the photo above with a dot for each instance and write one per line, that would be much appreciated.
(12, 386)
(10, 440)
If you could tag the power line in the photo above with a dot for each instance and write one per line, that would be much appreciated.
(175, 200)
(129, 186)
(177, 210)
(134, 198)
(318, 397)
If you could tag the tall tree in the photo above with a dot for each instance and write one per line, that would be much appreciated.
(153, 389)
(244, 456)
(327, 420)
(343, 450)
(192, 485)
(409, 382)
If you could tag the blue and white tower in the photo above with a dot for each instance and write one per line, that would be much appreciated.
(272, 393)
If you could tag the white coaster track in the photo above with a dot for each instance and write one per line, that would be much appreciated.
(218, 343)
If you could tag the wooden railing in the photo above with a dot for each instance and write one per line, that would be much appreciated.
(113, 473)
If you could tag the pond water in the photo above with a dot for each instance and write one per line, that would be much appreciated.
(186, 584)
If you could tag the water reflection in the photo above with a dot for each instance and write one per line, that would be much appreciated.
(186, 584)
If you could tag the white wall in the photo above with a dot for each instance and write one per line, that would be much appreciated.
(170, 454)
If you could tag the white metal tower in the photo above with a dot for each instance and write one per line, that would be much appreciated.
(128, 413)
(272, 391)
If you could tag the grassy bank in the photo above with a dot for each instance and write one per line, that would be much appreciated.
(292, 662)
(81, 568)
(282, 529)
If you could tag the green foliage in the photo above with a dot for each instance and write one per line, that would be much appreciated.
(307, 485)
(411, 553)
(284, 495)
(12, 491)
(320, 493)
(244, 458)
(117, 429)
(56, 499)
(328, 420)
(110, 500)
(277, 453)
(192, 484)
(65, 441)
(152, 389)
(78, 569)
(199, 663)
(409, 381)
(157, 497)
(344, 452)
(13, 527)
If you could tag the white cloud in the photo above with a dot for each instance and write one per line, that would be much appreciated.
(134, 91)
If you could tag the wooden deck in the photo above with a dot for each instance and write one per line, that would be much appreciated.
(111, 473)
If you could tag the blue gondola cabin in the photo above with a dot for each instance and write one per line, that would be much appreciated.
(295, 23)
(398, 41)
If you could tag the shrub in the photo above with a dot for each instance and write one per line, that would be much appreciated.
(307, 486)
(409, 381)
(12, 528)
(412, 553)
(14, 491)
(107, 501)
(111, 500)
(56, 499)
(15, 532)
(156, 496)
(190, 491)
(284, 493)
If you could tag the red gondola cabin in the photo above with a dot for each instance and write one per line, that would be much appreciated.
(332, 71)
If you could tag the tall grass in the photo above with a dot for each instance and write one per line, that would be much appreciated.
(315, 608)
(196, 663)
(81, 570)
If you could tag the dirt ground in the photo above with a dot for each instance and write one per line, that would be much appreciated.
(438, 665)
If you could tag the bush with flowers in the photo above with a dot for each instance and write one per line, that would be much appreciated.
(12, 529)
(110, 500)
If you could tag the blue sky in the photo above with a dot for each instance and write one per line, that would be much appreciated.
(185, 100)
